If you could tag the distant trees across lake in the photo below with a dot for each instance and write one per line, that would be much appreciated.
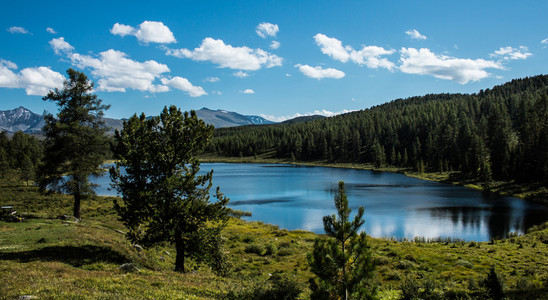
(496, 134)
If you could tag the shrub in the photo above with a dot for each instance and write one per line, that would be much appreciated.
(253, 248)
(285, 252)
(270, 249)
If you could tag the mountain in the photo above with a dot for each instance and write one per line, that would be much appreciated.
(222, 118)
(30, 122)
(20, 119)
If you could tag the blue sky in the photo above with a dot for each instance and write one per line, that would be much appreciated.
(279, 59)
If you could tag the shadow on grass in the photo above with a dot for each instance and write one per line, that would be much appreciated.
(72, 255)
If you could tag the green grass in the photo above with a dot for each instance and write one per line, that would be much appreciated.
(47, 257)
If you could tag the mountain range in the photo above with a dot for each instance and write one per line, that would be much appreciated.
(29, 122)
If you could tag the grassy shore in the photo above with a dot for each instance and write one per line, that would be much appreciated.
(534, 192)
(50, 257)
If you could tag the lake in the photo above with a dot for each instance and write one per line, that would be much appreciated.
(297, 197)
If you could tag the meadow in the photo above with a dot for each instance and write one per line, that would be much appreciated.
(49, 255)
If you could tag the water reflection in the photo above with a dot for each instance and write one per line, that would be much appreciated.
(297, 197)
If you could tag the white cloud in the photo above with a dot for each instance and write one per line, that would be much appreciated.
(267, 29)
(368, 55)
(319, 72)
(248, 91)
(148, 32)
(274, 45)
(512, 53)
(36, 81)
(51, 30)
(226, 56)
(212, 79)
(322, 112)
(59, 45)
(17, 29)
(241, 74)
(415, 34)
(117, 72)
(122, 30)
(545, 41)
(425, 62)
(184, 85)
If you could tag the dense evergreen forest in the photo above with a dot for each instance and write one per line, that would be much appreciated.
(496, 134)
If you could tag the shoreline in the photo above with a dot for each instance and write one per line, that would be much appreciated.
(535, 193)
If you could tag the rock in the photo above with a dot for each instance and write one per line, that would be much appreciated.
(138, 247)
(129, 268)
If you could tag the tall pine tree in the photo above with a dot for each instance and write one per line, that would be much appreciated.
(75, 144)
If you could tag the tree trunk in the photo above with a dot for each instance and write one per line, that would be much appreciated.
(180, 248)
(76, 211)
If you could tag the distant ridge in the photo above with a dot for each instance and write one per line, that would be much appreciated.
(22, 119)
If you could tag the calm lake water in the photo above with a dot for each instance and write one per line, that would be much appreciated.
(297, 197)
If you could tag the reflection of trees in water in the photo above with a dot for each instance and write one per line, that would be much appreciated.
(499, 218)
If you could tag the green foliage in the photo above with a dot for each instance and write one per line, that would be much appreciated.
(342, 261)
(498, 134)
(164, 198)
(277, 287)
(76, 143)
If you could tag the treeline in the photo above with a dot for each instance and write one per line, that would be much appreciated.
(21, 152)
(496, 134)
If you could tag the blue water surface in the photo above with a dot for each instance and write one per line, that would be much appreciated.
(297, 197)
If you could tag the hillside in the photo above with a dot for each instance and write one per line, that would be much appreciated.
(499, 134)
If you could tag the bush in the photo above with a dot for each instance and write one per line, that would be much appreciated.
(285, 252)
(254, 248)
(277, 287)
(270, 249)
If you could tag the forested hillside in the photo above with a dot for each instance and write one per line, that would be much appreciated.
(496, 134)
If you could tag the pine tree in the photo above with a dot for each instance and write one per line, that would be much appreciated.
(342, 261)
(164, 198)
(76, 143)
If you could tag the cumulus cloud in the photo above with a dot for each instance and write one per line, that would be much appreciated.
(183, 84)
(212, 79)
(274, 45)
(51, 30)
(508, 53)
(425, 62)
(415, 34)
(368, 55)
(321, 112)
(248, 91)
(17, 29)
(148, 32)
(267, 29)
(117, 72)
(227, 56)
(59, 45)
(319, 72)
(544, 42)
(241, 74)
(36, 81)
